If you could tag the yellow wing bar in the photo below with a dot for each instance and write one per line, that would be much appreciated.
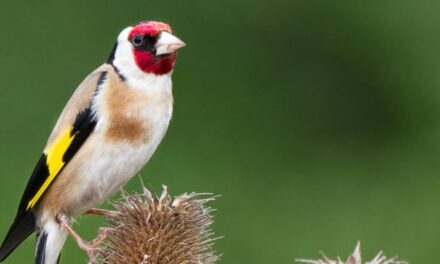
(55, 163)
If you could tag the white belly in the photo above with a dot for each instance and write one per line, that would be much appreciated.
(112, 165)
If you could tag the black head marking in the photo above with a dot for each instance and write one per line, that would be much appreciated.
(144, 42)
(111, 57)
(110, 61)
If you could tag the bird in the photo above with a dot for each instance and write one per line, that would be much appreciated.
(106, 133)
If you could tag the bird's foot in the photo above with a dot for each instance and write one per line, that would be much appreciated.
(96, 211)
(102, 235)
(91, 248)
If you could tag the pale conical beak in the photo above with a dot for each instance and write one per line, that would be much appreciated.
(167, 43)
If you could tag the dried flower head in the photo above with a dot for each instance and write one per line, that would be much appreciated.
(146, 228)
(355, 258)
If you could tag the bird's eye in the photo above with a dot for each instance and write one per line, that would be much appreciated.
(137, 40)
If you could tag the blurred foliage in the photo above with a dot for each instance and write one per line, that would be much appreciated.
(317, 121)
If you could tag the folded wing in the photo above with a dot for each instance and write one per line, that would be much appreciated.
(73, 128)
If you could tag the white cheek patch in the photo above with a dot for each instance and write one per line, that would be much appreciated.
(124, 59)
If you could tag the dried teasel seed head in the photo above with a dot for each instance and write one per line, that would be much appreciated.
(354, 258)
(146, 228)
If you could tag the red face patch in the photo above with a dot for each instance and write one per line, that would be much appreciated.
(146, 58)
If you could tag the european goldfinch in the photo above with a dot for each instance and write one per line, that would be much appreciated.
(106, 133)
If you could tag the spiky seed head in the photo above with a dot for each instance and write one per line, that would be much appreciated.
(354, 258)
(147, 228)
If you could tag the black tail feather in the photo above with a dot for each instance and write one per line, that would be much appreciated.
(23, 226)
(41, 248)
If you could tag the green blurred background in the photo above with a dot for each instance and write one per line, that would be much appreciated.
(317, 121)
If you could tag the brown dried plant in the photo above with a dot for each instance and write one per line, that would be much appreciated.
(354, 258)
(151, 229)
